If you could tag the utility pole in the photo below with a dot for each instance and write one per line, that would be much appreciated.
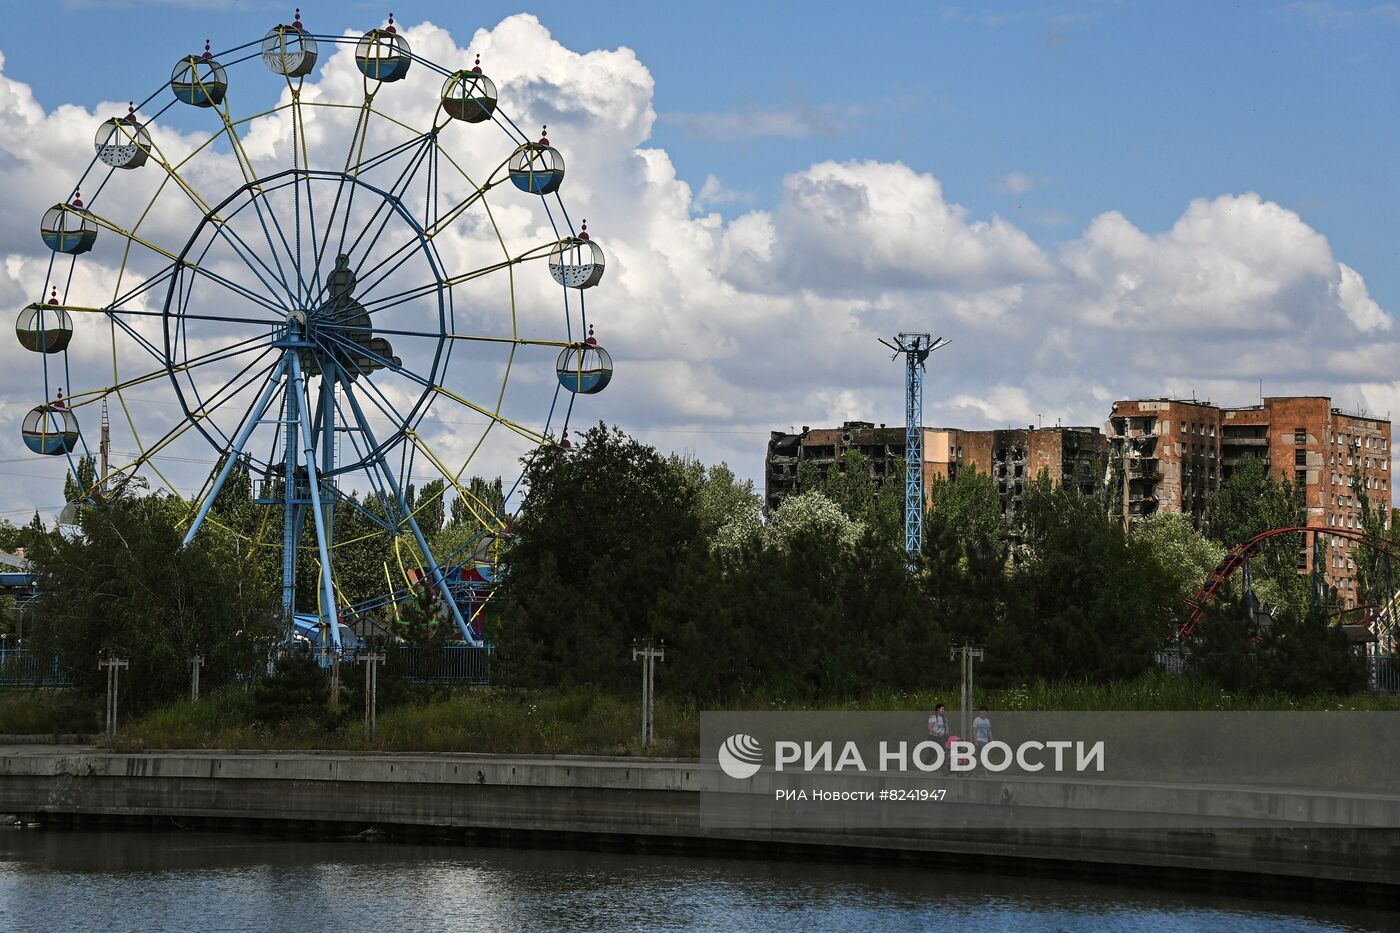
(915, 348)
(969, 653)
(196, 662)
(371, 661)
(114, 668)
(649, 656)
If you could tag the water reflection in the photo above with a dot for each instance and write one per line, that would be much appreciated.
(214, 881)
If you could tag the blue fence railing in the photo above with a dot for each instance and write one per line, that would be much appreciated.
(20, 667)
(448, 664)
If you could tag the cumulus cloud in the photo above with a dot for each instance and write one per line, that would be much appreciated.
(1019, 183)
(724, 327)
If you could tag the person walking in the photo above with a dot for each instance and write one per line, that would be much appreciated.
(981, 730)
(938, 725)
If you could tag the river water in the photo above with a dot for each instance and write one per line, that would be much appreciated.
(58, 881)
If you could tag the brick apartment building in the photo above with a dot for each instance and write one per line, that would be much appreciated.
(1012, 457)
(1175, 453)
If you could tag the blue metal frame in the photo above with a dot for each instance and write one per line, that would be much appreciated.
(915, 348)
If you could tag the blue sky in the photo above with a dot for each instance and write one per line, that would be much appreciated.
(1095, 191)
(1099, 105)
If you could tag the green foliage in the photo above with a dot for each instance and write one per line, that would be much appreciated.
(298, 689)
(606, 526)
(1086, 601)
(47, 711)
(811, 515)
(720, 498)
(873, 502)
(1183, 553)
(1254, 501)
(124, 585)
(1372, 580)
(11, 538)
(1298, 654)
(970, 506)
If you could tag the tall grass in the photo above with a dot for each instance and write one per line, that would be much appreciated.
(45, 711)
(590, 722)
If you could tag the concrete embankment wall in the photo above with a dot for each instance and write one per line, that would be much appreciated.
(647, 802)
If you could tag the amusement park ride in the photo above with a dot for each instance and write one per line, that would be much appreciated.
(1378, 619)
(336, 283)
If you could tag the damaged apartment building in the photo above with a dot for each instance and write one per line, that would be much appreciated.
(1170, 455)
(1012, 457)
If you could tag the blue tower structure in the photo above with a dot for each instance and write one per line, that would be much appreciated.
(915, 348)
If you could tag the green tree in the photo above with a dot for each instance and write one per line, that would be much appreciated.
(125, 585)
(874, 502)
(811, 514)
(604, 530)
(1374, 577)
(720, 498)
(1254, 501)
(971, 507)
(1185, 555)
(1086, 602)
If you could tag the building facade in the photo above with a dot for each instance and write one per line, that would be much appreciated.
(1175, 453)
(1012, 457)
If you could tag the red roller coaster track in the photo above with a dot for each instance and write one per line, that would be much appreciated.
(1241, 553)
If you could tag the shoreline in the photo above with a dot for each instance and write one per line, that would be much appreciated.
(649, 805)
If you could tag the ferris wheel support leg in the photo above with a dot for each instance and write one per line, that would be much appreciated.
(313, 482)
(439, 579)
(324, 428)
(292, 514)
(231, 457)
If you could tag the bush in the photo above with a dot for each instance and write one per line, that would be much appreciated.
(298, 689)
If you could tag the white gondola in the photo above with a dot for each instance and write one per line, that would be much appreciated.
(122, 142)
(577, 262)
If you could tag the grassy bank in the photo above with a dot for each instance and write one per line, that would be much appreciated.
(46, 710)
(581, 721)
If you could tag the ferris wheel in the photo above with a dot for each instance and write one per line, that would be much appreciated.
(322, 289)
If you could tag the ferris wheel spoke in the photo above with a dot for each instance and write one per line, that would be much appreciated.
(401, 253)
(91, 396)
(234, 449)
(353, 169)
(394, 197)
(454, 479)
(542, 251)
(185, 424)
(221, 225)
(177, 263)
(438, 335)
(399, 369)
(250, 179)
